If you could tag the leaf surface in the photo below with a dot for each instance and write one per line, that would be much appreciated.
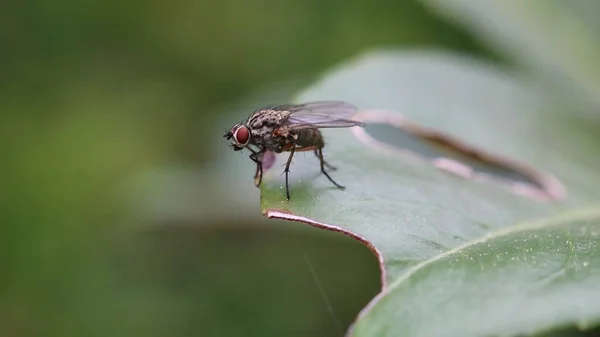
(404, 207)
(523, 280)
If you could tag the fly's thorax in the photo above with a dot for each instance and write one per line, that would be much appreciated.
(263, 125)
(266, 120)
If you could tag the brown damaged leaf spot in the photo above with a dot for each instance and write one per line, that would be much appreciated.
(266, 212)
(286, 215)
(520, 178)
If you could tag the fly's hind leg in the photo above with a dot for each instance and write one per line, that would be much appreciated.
(319, 153)
(329, 166)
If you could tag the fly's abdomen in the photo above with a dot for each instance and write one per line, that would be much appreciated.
(309, 137)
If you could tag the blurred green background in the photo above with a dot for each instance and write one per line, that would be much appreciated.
(125, 213)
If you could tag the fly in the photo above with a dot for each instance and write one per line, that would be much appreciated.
(290, 128)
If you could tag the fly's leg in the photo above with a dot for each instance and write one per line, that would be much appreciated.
(319, 153)
(329, 166)
(258, 175)
(287, 170)
(257, 158)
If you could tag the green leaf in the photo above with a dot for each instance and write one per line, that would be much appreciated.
(525, 279)
(407, 210)
(556, 39)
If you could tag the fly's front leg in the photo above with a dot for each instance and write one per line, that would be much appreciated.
(258, 175)
(257, 158)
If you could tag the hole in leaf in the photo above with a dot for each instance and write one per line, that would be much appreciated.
(392, 131)
(432, 148)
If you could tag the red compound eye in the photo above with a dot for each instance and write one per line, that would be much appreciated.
(242, 135)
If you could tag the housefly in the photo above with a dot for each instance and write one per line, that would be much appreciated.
(290, 128)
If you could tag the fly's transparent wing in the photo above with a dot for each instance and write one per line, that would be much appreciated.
(321, 114)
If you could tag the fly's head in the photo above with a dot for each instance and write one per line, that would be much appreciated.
(239, 136)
